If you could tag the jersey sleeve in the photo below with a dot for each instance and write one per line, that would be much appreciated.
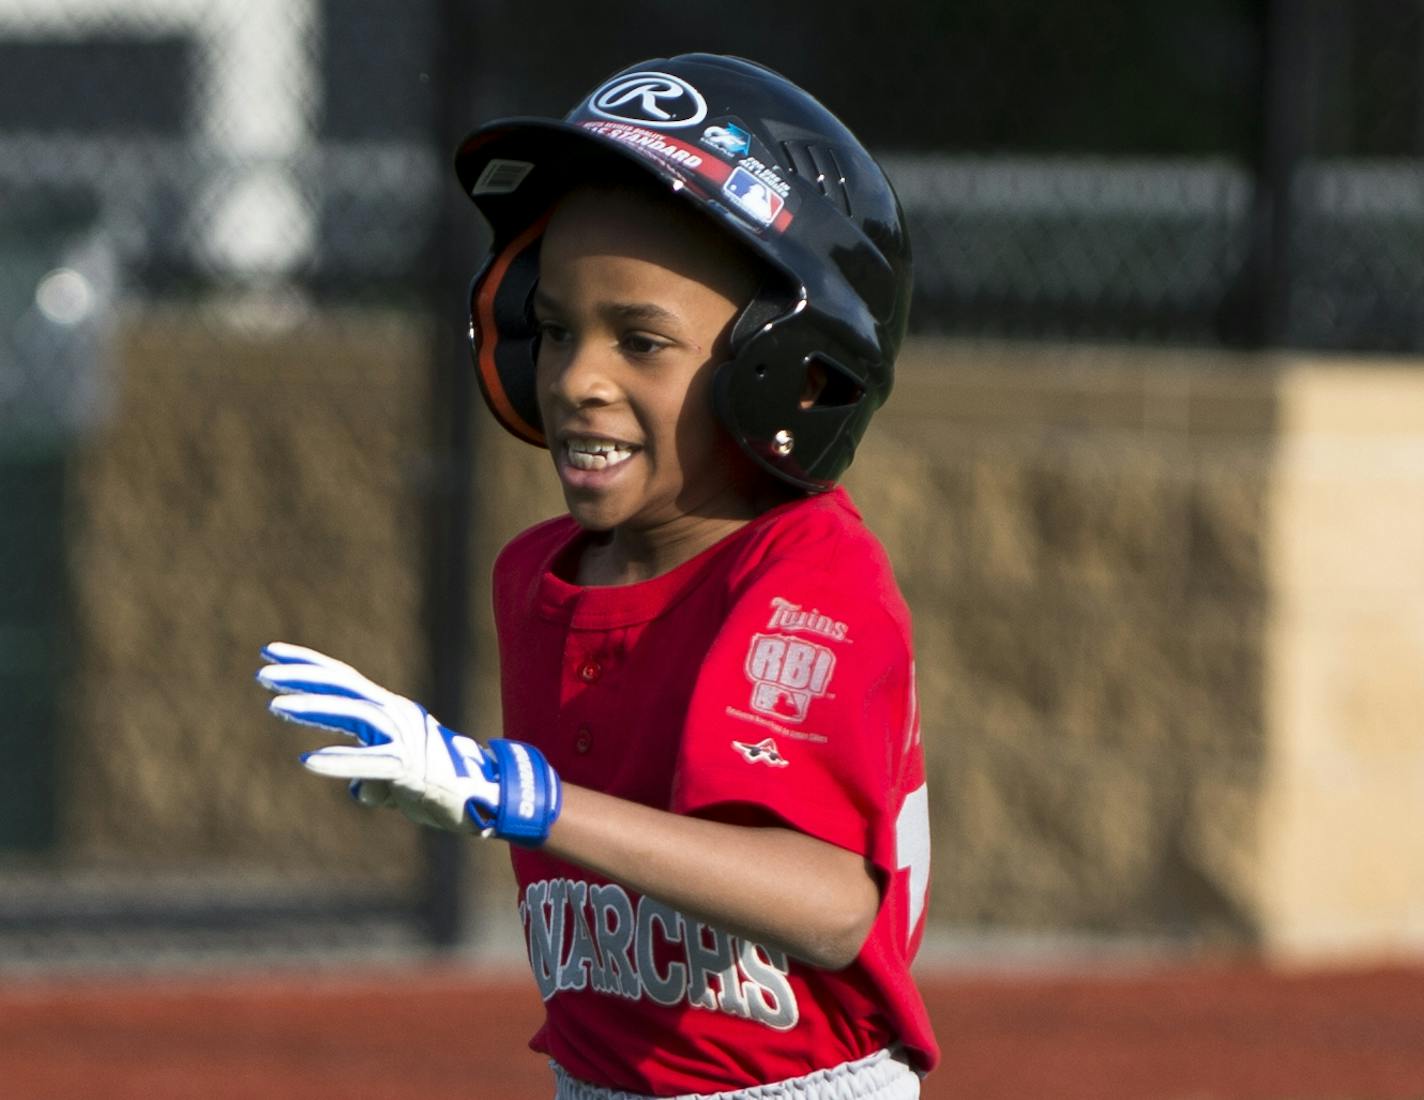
(802, 708)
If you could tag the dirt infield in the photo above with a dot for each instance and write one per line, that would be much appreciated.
(1220, 1033)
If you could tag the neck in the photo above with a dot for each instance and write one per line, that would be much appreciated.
(627, 556)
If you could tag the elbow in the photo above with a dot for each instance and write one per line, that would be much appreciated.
(836, 951)
(836, 943)
(831, 956)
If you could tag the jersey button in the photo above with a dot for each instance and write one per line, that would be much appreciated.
(584, 742)
(590, 671)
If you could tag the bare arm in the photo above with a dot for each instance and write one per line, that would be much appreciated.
(772, 885)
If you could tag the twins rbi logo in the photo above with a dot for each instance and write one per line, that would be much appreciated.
(786, 674)
(658, 100)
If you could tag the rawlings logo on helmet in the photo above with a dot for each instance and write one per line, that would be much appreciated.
(653, 99)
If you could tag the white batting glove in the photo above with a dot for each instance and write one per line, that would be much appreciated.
(404, 757)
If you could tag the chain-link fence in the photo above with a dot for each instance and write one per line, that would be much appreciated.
(1229, 173)
(218, 397)
(1162, 251)
(230, 293)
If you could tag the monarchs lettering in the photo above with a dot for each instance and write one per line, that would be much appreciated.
(587, 936)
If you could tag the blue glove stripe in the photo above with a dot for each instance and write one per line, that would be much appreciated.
(457, 758)
(530, 794)
(311, 687)
(363, 731)
(479, 813)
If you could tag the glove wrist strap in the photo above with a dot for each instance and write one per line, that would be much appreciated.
(530, 794)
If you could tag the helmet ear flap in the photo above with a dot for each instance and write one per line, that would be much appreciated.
(764, 308)
(802, 433)
(504, 338)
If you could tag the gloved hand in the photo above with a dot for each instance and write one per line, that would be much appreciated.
(404, 757)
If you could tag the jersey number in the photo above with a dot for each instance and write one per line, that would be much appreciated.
(912, 851)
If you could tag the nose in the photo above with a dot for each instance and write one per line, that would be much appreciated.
(577, 373)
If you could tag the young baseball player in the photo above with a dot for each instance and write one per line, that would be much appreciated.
(711, 771)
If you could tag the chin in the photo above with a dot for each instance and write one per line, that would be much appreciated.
(592, 524)
(593, 515)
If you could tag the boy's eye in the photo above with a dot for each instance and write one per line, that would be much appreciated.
(552, 332)
(639, 344)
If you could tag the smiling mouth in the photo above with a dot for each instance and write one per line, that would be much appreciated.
(585, 453)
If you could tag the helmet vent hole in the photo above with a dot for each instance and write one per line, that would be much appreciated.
(760, 370)
(818, 164)
(830, 386)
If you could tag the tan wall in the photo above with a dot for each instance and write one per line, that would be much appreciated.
(1168, 611)
(251, 485)
(1342, 852)
(1078, 532)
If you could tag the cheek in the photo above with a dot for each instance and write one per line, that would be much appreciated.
(699, 434)
(550, 392)
(544, 372)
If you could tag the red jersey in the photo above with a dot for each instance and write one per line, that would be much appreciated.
(770, 678)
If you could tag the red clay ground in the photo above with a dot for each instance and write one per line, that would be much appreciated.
(1222, 1033)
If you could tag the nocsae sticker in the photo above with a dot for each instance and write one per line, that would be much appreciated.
(500, 177)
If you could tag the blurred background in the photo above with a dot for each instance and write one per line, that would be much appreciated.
(1153, 476)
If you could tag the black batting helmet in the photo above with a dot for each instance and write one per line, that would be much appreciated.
(776, 169)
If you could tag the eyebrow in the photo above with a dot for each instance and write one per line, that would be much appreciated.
(640, 311)
(623, 311)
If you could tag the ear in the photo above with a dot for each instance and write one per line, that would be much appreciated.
(814, 385)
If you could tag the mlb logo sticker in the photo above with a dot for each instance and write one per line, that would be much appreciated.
(753, 197)
(786, 674)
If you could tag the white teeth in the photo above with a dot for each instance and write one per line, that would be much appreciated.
(596, 454)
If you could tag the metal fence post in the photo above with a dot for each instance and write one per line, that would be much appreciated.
(1288, 112)
(450, 253)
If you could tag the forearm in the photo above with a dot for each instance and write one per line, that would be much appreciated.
(775, 886)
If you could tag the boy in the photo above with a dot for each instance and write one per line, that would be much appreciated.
(711, 769)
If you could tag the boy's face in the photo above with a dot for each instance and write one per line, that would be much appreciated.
(635, 304)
